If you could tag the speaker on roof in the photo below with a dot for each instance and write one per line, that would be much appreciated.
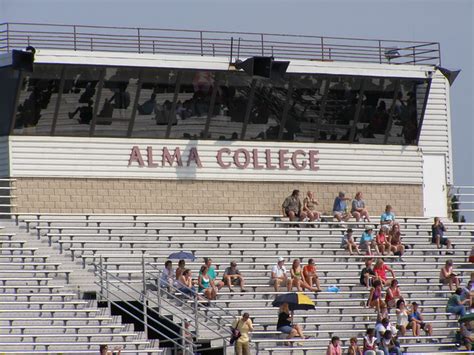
(279, 69)
(256, 66)
(451, 75)
(23, 60)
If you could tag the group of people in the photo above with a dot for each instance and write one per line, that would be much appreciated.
(300, 277)
(207, 282)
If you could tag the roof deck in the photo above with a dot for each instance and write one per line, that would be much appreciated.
(233, 45)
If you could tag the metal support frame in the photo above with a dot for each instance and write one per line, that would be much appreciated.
(358, 109)
(392, 110)
(322, 109)
(145, 301)
(286, 109)
(211, 106)
(253, 87)
(100, 86)
(59, 98)
(131, 123)
(21, 75)
(177, 88)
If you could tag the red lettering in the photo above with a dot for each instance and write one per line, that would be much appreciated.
(219, 158)
(149, 153)
(256, 165)
(313, 159)
(136, 156)
(194, 156)
(237, 160)
(294, 160)
(170, 158)
(283, 159)
(268, 157)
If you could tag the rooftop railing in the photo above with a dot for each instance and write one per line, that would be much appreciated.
(233, 45)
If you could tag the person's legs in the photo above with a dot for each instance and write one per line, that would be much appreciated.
(365, 215)
(291, 216)
(303, 216)
(428, 329)
(238, 348)
(299, 330)
(246, 348)
(437, 242)
(276, 285)
(338, 216)
(356, 215)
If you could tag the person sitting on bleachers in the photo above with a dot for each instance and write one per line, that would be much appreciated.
(468, 292)
(367, 274)
(370, 346)
(310, 275)
(367, 241)
(211, 271)
(467, 338)
(148, 107)
(296, 278)
(415, 319)
(279, 275)
(382, 325)
(309, 207)
(447, 276)
(206, 284)
(389, 345)
(387, 218)
(393, 294)
(354, 348)
(348, 242)
(292, 207)
(395, 239)
(455, 305)
(233, 277)
(381, 270)
(375, 298)
(339, 209)
(403, 322)
(437, 235)
(381, 240)
(104, 350)
(181, 267)
(185, 283)
(285, 324)
(358, 209)
(334, 347)
(167, 277)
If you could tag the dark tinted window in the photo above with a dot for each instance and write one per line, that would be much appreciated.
(8, 80)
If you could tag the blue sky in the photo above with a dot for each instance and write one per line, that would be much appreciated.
(449, 22)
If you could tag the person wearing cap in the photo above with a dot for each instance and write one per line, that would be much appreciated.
(292, 207)
(339, 209)
(348, 242)
(416, 321)
(387, 218)
(310, 275)
(367, 241)
(358, 209)
(233, 277)
(279, 275)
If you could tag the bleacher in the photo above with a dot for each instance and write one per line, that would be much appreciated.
(41, 312)
(120, 243)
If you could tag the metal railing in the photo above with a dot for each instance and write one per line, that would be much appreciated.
(461, 203)
(7, 197)
(233, 45)
(113, 289)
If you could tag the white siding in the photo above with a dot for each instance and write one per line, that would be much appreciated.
(4, 162)
(436, 128)
(108, 158)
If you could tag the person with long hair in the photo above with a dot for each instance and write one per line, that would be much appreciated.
(285, 324)
(375, 297)
(206, 284)
(393, 294)
(447, 276)
(297, 279)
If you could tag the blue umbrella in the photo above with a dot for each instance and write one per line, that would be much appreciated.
(182, 255)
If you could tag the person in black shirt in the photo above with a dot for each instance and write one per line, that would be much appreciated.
(285, 326)
(437, 235)
(367, 275)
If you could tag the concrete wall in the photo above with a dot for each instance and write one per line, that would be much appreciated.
(169, 196)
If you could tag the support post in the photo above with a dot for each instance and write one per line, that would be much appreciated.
(145, 303)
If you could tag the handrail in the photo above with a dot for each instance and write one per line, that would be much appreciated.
(105, 293)
(211, 42)
(461, 201)
(104, 276)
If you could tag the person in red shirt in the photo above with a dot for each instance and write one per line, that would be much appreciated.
(381, 270)
(383, 245)
(310, 276)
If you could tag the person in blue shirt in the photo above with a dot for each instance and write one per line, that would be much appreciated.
(367, 241)
(387, 218)
(339, 209)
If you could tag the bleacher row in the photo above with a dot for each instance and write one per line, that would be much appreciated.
(41, 313)
(120, 242)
